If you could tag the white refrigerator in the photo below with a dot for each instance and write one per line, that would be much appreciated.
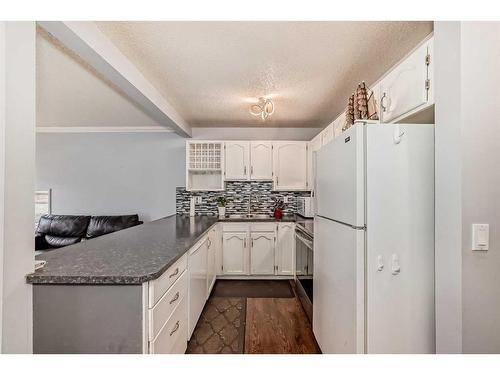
(374, 241)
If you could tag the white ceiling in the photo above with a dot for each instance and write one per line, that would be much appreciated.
(211, 71)
(71, 94)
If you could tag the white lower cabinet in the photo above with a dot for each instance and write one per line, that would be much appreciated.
(166, 308)
(172, 336)
(234, 253)
(285, 249)
(211, 259)
(262, 253)
(197, 267)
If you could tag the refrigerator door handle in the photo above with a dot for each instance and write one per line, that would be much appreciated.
(396, 267)
(380, 263)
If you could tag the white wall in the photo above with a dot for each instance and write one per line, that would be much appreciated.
(480, 78)
(111, 173)
(448, 236)
(2, 165)
(18, 175)
(467, 57)
(285, 134)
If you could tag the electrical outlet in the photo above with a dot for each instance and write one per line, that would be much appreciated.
(285, 199)
(198, 200)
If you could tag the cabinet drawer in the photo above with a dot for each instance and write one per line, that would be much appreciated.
(162, 311)
(172, 338)
(158, 287)
(262, 227)
(234, 227)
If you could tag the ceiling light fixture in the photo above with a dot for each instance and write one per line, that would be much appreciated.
(264, 108)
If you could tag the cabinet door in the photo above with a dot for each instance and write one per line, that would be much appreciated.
(314, 146)
(261, 160)
(197, 266)
(290, 165)
(285, 249)
(338, 124)
(262, 253)
(327, 135)
(404, 88)
(237, 160)
(234, 253)
(212, 246)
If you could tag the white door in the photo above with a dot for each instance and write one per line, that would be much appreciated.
(237, 160)
(340, 179)
(285, 246)
(197, 266)
(338, 314)
(211, 272)
(290, 165)
(234, 253)
(400, 239)
(404, 89)
(261, 160)
(314, 145)
(262, 253)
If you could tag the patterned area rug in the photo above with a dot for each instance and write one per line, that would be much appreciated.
(221, 327)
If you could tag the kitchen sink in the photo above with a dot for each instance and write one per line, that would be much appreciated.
(249, 216)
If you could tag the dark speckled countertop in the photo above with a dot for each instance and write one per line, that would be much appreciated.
(131, 256)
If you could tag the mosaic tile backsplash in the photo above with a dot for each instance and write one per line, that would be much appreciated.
(238, 194)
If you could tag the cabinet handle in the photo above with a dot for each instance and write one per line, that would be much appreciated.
(176, 297)
(251, 243)
(251, 170)
(175, 328)
(209, 243)
(176, 272)
(277, 181)
(384, 108)
(245, 169)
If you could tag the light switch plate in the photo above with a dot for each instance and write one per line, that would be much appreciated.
(480, 237)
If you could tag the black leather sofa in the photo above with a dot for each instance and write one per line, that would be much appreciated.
(56, 231)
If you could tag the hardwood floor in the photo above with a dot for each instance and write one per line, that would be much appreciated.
(278, 326)
(267, 319)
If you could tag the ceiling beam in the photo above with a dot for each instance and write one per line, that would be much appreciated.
(89, 43)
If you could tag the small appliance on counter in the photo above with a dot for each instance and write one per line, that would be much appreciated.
(305, 207)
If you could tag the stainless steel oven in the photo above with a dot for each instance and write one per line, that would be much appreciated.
(304, 270)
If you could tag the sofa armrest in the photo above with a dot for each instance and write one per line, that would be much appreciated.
(40, 243)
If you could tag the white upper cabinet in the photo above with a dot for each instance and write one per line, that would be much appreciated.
(290, 165)
(237, 157)
(234, 253)
(406, 87)
(314, 145)
(262, 253)
(285, 249)
(328, 134)
(261, 160)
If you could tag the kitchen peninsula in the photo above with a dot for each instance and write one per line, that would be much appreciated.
(141, 290)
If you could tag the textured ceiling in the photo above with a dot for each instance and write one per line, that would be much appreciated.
(211, 71)
(71, 94)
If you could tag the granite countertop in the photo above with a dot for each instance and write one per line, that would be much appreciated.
(130, 256)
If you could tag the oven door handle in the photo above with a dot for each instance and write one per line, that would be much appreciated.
(306, 242)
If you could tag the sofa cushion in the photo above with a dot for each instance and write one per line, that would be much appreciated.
(100, 225)
(56, 241)
(63, 225)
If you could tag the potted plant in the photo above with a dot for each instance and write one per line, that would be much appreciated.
(278, 206)
(221, 206)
